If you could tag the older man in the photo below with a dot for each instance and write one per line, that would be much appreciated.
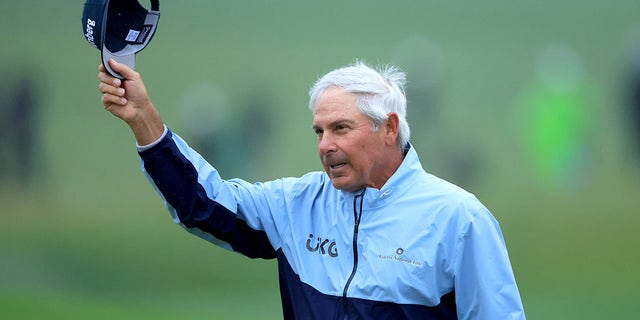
(374, 236)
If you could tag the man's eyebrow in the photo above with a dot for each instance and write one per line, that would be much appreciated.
(341, 121)
(334, 123)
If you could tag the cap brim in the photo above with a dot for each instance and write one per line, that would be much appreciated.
(127, 59)
(128, 54)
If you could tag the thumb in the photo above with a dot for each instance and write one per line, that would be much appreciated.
(122, 69)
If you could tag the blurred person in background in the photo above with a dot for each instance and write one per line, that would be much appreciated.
(556, 119)
(634, 112)
(632, 93)
(374, 236)
(20, 90)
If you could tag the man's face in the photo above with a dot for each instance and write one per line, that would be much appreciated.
(353, 155)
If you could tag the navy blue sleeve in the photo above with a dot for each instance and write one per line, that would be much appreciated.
(177, 180)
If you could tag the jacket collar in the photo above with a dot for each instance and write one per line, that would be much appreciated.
(398, 183)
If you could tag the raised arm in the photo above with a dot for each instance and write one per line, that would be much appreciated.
(128, 100)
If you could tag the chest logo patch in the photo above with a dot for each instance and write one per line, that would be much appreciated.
(323, 246)
(398, 257)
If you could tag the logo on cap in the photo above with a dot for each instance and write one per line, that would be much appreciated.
(89, 32)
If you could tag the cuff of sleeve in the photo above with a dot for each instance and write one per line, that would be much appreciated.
(152, 144)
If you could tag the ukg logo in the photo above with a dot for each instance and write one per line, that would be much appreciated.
(323, 246)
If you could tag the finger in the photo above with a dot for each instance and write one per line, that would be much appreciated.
(106, 88)
(122, 69)
(106, 78)
(104, 75)
(110, 99)
(115, 109)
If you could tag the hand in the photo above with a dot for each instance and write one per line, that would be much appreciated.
(124, 99)
(128, 100)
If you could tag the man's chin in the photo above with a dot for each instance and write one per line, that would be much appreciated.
(343, 184)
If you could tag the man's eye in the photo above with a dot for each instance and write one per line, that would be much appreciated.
(341, 127)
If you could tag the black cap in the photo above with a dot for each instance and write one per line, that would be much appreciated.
(119, 29)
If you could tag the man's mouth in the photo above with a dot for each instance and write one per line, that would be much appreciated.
(335, 162)
(337, 165)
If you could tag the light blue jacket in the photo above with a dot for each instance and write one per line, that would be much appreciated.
(418, 248)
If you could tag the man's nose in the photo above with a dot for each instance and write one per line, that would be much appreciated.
(326, 144)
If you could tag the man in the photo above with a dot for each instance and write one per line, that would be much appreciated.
(372, 237)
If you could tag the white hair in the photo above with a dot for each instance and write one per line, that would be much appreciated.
(379, 92)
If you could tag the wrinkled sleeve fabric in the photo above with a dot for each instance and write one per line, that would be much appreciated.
(232, 214)
(485, 284)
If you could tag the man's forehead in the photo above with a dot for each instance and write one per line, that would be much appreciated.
(336, 112)
(336, 95)
(336, 100)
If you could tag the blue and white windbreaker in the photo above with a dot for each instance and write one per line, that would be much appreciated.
(418, 248)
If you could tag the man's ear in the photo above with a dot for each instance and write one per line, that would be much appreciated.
(391, 127)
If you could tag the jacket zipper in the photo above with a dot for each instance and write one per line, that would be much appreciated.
(357, 214)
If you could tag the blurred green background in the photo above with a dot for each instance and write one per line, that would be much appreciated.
(521, 102)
